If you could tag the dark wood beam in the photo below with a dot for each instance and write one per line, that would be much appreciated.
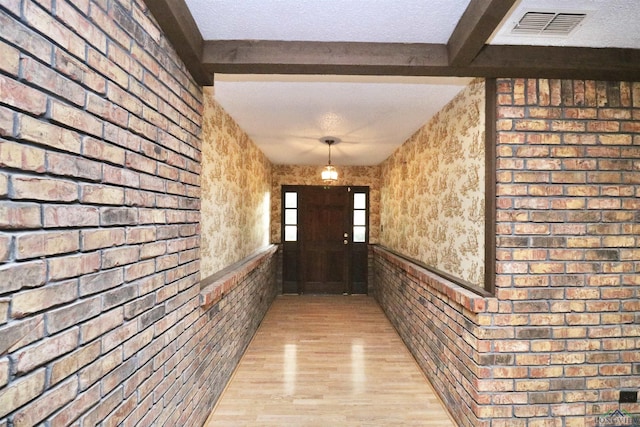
(466, 54)
(178, 24)
(558, 62)
(476, 25)
(279, 57)
(490, 184)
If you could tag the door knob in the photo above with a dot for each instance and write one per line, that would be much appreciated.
(346, 241)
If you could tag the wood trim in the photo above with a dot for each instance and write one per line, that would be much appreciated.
(490, 182)
(176, 21)
(476, 25)
(216, 286)
(289, 248)
(379, 249)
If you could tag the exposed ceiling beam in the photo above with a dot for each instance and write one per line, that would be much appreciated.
(558, 62)
(476, 25)
(465, 55)
(175, 19)
(280, 57)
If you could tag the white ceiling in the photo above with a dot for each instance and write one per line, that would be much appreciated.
(401, 21)
(287, 115)
(609, 23)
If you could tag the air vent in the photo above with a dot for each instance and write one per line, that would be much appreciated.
(548, 23)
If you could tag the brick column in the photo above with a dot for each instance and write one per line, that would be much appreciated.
(568, 250)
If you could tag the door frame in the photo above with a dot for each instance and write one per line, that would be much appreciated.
(357, 265)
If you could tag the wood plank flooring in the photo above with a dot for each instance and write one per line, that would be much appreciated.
(328, 361)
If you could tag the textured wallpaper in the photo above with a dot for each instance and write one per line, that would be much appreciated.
(432, 190)
(236, 185)
(310, 175)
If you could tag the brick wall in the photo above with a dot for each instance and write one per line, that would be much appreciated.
(564, 336)
(568, 246)
(99, 224)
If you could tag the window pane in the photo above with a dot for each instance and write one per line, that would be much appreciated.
(359, 218)
(290, 233)
(359, 234)
(359, 201)
(291, 200)
(291, 216)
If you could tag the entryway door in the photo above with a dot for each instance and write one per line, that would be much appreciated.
(325, 239)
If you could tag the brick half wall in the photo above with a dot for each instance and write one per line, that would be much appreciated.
(234, 303)
(442, 324)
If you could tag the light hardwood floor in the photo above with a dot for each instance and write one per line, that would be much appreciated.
(328, 361)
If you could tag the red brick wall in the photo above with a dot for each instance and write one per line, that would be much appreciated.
(99, 225)
(564, 338)
(568, 246)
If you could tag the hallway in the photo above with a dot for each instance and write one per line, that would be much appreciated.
(327, 360)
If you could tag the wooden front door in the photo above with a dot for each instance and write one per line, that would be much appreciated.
(325, 239)
(324, 248)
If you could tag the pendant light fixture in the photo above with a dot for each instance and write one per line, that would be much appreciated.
(329, 173)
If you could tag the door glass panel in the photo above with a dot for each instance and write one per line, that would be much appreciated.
(291, 200)
(359, 217)
(290, 233)
(359, 234)
(291, 216)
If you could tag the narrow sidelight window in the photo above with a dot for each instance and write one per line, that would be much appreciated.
(359, 217)
(290, 217)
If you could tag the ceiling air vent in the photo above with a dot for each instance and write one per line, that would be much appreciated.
(548, 23)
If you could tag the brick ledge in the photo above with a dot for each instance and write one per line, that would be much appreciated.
(216, 286)
(466, 298)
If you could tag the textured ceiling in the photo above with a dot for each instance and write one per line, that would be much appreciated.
(286, 115)
(609, 23)
(402, 21)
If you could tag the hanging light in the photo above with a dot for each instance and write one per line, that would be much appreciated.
(329, 173)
